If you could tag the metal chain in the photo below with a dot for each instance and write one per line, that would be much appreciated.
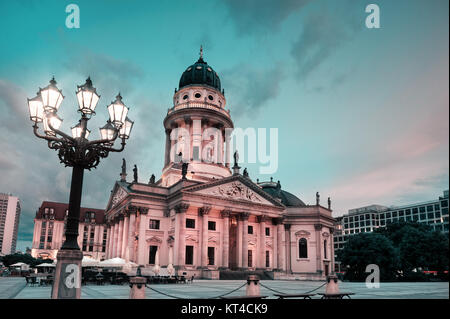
(162, 293)
(279, 292)
(228, 292)
(171, 296)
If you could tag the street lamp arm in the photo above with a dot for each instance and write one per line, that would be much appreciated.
(110, 149)
(64, 135)
(45, 137)
(106, 140)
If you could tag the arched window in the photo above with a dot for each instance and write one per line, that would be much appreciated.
(303, 248)
(325, 249)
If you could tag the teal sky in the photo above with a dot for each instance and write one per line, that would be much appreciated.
(362, 113)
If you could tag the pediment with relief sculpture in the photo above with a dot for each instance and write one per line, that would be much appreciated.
(235, 190)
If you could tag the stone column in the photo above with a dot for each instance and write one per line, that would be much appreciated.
(107, 240)
(318, 228)
(239, 242)
(111, 239)
(204, 211)
(226, 238)
(168, 144)
(197, 135)
(126, 225)
(244, 217)
(281, 251)
(275, 246)
(332, 250)
(115, 238)
(261, 254)
(131, 235)
(142, 244)
(180, 210)
(227, 151)
(287, 228)
(187, 147)
(120, 237)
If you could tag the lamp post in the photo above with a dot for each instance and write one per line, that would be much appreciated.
(79, 153)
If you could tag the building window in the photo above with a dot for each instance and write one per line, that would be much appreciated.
(250, 258)
(154, 223)
(190, 223)
(250, 230)
(210, 255)
(303, 248)
(211, 225)
(189, 255)
(325, 249)
(267, 258)
(152, 254)
(267, 231)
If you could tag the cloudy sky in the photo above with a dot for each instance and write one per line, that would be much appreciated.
(362, 113)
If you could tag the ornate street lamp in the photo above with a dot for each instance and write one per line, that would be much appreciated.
(79, 153)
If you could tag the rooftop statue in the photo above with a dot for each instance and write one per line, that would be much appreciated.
(135, 173)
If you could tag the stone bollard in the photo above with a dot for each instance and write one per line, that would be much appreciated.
(137, 285)
(332, 284)
(253, 287)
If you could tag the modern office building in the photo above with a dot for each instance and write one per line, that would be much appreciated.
(368, 218)
(49, 225)
(9, 223)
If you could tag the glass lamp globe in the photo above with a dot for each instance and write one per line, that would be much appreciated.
(117, 111)
(36, 108)
(77, 131)
(51, 96)
(125, 130)
(87, 97)
(54, 121)
(107, 131)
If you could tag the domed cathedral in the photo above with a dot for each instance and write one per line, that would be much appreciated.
(195, 127)
(200, 218)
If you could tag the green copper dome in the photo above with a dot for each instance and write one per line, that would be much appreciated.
(200, 73)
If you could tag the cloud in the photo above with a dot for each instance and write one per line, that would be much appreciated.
(254, 16)
(252, 87)
(323, 32)
(32, 171)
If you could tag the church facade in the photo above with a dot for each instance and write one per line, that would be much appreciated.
(202, 216)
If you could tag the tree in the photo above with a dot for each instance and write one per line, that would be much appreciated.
(420, 247)
(369, 248)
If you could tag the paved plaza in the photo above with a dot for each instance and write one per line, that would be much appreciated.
(15, 288)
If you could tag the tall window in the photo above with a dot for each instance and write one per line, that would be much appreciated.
(325, 249)
(267, 231)
(250, 230)
(152, 254)
(250, 258)
(189, 255)
(190, 223)
(154, 223)
(303, 248)
(267, 258)
(210, 255)
(211, 225)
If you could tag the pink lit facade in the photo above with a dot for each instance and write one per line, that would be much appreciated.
(49, 225)
(215, 219)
